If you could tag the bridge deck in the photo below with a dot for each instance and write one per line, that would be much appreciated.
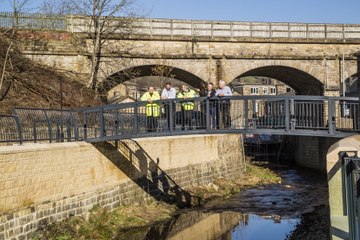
(281, 115)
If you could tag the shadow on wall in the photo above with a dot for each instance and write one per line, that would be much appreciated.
(129, 157)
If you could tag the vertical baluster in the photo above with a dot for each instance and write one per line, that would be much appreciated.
(287, 115)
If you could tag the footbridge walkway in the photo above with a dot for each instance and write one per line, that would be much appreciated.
(284, 115)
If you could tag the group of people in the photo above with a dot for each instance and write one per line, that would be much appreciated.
(219, 107)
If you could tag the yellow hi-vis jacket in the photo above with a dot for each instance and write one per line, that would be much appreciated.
(187, 105)
(151, 109)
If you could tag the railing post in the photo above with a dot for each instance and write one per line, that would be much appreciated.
(287, 115)
(57, 135)
(116, 125)
(102, 123)
(289, 31)
(331, 116)
(350, 198)
(76, 128)
(151, 27)
(357, 173)
(35, 133)
(171, 116)
(136, 120)
(342, 156)
(68, 130)
(307, 31)
(85, 126)
(254, 113)
(172, 28)
(292, 114)
(325, 29)
(207, 109)
(49, 125)
(246, 109)
(18, 126)
(251, 29)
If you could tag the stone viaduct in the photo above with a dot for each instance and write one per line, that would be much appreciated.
(307, 57)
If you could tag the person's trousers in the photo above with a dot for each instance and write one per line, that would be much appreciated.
(224, 110)
(151, 123)
(213, 115)
(186, 118)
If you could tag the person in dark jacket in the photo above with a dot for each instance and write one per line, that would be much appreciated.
(210, 93)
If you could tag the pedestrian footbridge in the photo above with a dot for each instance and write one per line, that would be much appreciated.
(281, 115)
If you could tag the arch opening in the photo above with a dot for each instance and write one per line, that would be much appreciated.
(163, 72)
(352, 85)
(303, 83)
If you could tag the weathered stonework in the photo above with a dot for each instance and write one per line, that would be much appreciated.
(310, 152)
(303, 65)
(51, 182)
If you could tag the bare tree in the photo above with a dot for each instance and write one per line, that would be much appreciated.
(103, 18)
(163, 70)
(55, 7)
(18, 6)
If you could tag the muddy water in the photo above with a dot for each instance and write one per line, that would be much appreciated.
(271, 212)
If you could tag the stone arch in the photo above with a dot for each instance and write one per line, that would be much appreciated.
(146, 70)
(302, 82)
(353, 84)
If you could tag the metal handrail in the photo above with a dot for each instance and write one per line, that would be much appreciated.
(285, 115)
(351, 195)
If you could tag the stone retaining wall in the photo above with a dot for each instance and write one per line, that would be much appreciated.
(42, 183)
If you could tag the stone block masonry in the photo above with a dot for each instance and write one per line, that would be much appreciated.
(311, 151)
(42, 183)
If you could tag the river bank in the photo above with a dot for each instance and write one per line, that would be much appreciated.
(284, 202)
(101, 224)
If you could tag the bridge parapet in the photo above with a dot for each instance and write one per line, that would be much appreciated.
(192, 28)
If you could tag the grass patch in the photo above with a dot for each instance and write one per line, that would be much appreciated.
(223, 188)
(104, 225)
(261, 175)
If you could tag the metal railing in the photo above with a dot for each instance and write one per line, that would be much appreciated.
(350, 169)
(33, 21)
(287, 115)
(38, 125)
(281, 115)
(191, 28)
(10, 130)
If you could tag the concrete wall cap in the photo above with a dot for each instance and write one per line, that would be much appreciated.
(349, 144)
(39, 147)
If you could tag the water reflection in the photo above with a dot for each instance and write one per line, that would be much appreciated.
(212, 226)
(225, 219)
(259, 228)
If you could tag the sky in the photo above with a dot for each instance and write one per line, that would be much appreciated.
(306, 11)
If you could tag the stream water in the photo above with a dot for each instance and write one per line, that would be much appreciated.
(270, 212)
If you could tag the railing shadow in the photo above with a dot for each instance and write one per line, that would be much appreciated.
(129, 157)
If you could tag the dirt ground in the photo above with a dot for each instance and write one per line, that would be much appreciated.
(314, 225)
